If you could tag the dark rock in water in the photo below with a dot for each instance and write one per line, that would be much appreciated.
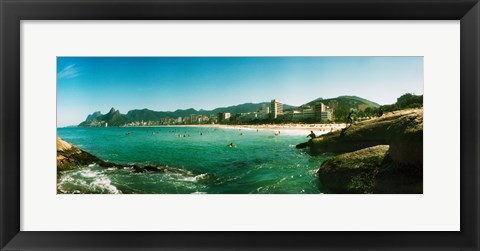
(148, 168)
(370, 170)
(302, 145)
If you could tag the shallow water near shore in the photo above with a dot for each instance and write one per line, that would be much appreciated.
(192, 160)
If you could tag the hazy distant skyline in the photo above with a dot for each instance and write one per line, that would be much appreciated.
(89, 84)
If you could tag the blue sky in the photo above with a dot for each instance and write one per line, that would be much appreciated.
(89, 84)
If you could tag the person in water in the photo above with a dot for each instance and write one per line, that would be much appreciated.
(312, 135)
(231, 145)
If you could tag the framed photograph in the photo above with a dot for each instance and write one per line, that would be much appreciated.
(264, 145)
(239, 125)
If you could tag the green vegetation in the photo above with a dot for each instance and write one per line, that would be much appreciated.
(405, 101)
(339, 107)
(343, 105)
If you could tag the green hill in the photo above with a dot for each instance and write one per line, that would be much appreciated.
(342, 105)
(114, 118)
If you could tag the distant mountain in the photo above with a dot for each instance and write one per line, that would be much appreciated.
(351, 101)
(93, 116)
(114, 118)
(358, 100)
(341, 105)
(244, 108)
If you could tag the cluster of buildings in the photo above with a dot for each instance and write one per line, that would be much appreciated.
(317, 113)
(263, 113)
(275, 111)
(191, 119)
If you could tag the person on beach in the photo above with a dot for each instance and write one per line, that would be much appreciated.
(312, 135)
(380, 112)
(349, 118)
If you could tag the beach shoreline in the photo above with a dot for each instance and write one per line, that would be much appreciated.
(316, 128)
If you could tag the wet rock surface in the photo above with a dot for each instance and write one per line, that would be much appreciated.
(381, 155)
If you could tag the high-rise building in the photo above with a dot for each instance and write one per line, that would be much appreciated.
(319, 109)
(276, 108)
(326, 116)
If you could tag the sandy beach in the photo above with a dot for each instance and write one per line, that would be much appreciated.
(318, 129)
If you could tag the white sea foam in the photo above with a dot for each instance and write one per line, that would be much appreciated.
(189, 179)
(200, 176)
(87, 173)
(65, 178)
(104, 184)
(95, 182)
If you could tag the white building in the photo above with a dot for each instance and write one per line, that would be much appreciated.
(326, 116)
(319, 108)
(276, 108)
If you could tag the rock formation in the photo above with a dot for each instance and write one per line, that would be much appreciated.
(69, 156)
(353, 172)
(381, 155)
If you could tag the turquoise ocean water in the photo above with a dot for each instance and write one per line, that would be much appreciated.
(198, 160)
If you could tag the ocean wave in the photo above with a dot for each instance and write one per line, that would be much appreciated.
(104, 184)
(88, 173)
(86, 180)
(188, 178)
(196, 178)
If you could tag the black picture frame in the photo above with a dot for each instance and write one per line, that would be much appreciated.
(13, 11)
